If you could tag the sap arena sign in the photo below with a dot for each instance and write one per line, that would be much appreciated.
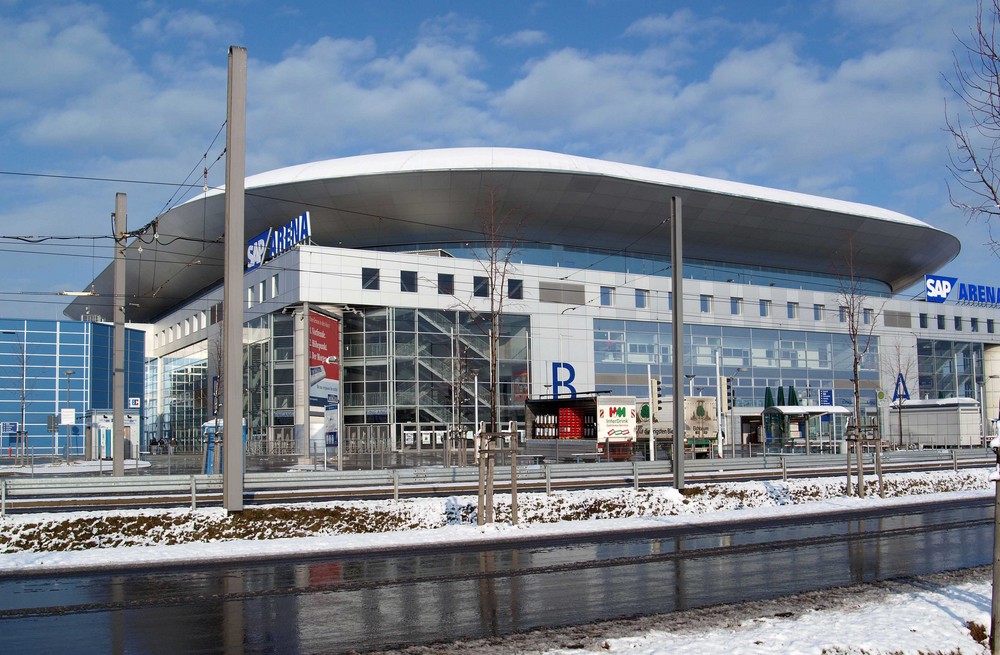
(939, 288)
(268, 245)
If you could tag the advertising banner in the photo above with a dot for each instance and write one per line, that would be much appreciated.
(324, 375)
(616, 419)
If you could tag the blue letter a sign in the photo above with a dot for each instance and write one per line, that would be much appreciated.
(900, 391)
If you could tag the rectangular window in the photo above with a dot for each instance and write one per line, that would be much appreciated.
(641, 298)
(274, 286)
(958, 323)
(974, 324)
(940, 321)
(765, 307)
(607, 296)
(793, 310)
(923, 320)
(989, 325)
(408, 281)
(818, 311)
(515, 289)
(867, 316)
(706, 304)
(670, 301)
(369, 278)
(842, 314)
(481, 286)
(735, 305)
(446, 284)
(249, 297)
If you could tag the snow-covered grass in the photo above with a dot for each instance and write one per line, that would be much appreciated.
(70, 531)
(940, 615)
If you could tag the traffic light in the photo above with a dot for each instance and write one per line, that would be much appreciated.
(724, 393)
(658, 388)
(731, 400)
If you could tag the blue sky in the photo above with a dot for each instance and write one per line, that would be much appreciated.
(840, 98)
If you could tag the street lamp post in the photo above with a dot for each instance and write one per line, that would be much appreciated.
(69, 426)
(22, 431)
(732, 409)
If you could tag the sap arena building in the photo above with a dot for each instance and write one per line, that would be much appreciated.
(367, 290)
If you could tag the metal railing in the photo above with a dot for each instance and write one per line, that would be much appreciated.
(18, 493)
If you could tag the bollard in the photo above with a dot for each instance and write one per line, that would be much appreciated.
(635, 475)
(784, 470)
(3, 498)
(954, 460)
(548, 481)
(395, 484)
(194, 485)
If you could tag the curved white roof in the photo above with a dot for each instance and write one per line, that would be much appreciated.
(474, 159)
(434, 197)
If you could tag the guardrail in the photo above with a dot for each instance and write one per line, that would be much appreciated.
(176, 490)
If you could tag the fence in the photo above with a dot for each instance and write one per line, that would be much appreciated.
(136, 490)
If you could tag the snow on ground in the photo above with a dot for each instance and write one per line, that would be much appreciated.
(919, 616)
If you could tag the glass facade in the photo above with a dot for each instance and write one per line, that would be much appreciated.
(418, 368)
(642, 264)
(949, 369)
(757, 358)
(47, 366)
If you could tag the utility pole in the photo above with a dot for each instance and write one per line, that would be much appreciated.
(118, 375)
(232, 344)
(677, 265)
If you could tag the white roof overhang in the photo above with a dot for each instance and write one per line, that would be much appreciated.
(436, 196)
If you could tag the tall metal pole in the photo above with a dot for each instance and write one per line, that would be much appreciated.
(677, 265)
(232, 368)
(23, 433)
(652, 409)
(995, 598)
(118, 346)
(69, 426)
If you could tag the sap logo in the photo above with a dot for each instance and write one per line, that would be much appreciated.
(257, 250)
(938, 287)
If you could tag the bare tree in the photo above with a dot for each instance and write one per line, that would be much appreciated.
(861, 317)
(501, 227)
(976, 130)
(897, 360)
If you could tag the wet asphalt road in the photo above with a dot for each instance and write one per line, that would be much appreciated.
(366, 602)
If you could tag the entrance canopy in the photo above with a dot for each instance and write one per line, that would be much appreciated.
(804, 410)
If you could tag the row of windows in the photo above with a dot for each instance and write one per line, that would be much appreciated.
(958, 322)
(256, 295)
(371, 280)
(792, 310)
(641, 298)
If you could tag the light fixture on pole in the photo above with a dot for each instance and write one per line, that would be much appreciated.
(333, 359)
(71, 418)
(690, 378)
(995, 421)
(731, 390)
(22, 431)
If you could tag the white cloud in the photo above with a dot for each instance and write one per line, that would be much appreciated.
(523, 39)
(659, 25)
(187, 25)
(359, 101)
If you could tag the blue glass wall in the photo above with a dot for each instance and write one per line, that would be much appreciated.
(46, 366)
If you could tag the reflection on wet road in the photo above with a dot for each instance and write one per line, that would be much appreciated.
(332, 604)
